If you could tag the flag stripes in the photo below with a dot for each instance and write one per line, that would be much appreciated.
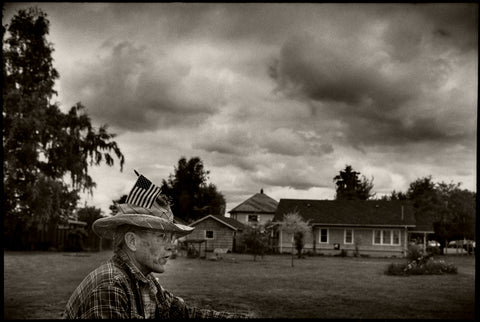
(143, 193)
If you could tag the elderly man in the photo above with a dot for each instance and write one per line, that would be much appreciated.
(124, 287)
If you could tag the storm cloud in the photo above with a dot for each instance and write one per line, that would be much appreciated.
(277, 96)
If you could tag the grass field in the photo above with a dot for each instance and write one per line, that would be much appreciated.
(37, 285)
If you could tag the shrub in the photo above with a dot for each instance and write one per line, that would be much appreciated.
(424, 265)
(192, 252)
(434, 250)
(440, 267)
(343, 253)
(414, 253)
(395, 269)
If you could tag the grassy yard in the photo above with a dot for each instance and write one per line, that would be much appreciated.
(37, 285)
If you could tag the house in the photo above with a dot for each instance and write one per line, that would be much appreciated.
(372, 227)
(216, 232)
(256, 210)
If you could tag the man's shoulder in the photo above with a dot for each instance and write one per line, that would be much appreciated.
(109, 272)
(106, 279)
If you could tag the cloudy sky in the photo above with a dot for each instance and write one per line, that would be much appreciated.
(274, 96)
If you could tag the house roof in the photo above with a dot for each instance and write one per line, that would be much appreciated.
(258, 203)
(229, 222)
(349, 212)
(423, 223)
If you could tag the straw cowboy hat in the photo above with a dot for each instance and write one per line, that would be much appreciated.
(156, 216)
(140, 217)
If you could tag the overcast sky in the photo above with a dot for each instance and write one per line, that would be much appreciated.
(274, 96)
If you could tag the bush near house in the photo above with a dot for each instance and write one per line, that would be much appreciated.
(420, 264)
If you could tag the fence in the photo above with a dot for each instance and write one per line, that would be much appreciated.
(67, 237)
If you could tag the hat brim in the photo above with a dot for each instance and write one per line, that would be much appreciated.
(105, 227)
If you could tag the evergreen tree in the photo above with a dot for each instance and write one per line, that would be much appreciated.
(42, 146)
(351, 187)
(191, 196)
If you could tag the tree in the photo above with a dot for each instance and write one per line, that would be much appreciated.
(294, 224)
(191, 196)
(214, 201)
(299, 240)
(395, 196)
(113, 207)
(255, 240)
(457, 219)
(89, 214)
(449, 208)
(462, 205)
(351, 187)
(42, 146)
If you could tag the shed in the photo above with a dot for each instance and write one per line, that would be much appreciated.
(217, 231)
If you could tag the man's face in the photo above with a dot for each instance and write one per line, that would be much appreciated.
(153, 250)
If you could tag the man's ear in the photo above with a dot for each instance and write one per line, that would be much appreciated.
(131, 241)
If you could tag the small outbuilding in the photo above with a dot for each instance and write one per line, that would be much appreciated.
(219, 232)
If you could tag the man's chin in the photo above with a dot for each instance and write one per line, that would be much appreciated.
(159, 269)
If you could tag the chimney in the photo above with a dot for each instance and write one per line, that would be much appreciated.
(261, 191)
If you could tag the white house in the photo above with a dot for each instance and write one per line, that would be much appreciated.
(256, 210)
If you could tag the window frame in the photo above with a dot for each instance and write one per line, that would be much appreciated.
(386, 237)
(253, 221)
(206, 234)
(399, 237)
(345, 236)
(375, 235)
(320, 235)
(383, 241)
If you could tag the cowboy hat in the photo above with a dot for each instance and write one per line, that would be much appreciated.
(157, 218)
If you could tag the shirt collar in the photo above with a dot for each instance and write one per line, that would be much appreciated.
(122, 257)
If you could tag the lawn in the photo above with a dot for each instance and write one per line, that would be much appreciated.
(37, 285)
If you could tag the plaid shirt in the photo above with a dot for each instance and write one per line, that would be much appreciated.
(118, 290)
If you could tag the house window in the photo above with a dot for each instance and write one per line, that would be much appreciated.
(386, 237)
(396, 237)
(209, 234)
(252, 218)
(348, 236)
(323, 235)
(377, 237)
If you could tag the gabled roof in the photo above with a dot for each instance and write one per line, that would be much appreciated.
(229, 222)
(349, 212)
(258, 203)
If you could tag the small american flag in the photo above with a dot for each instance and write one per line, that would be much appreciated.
(143, 193)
